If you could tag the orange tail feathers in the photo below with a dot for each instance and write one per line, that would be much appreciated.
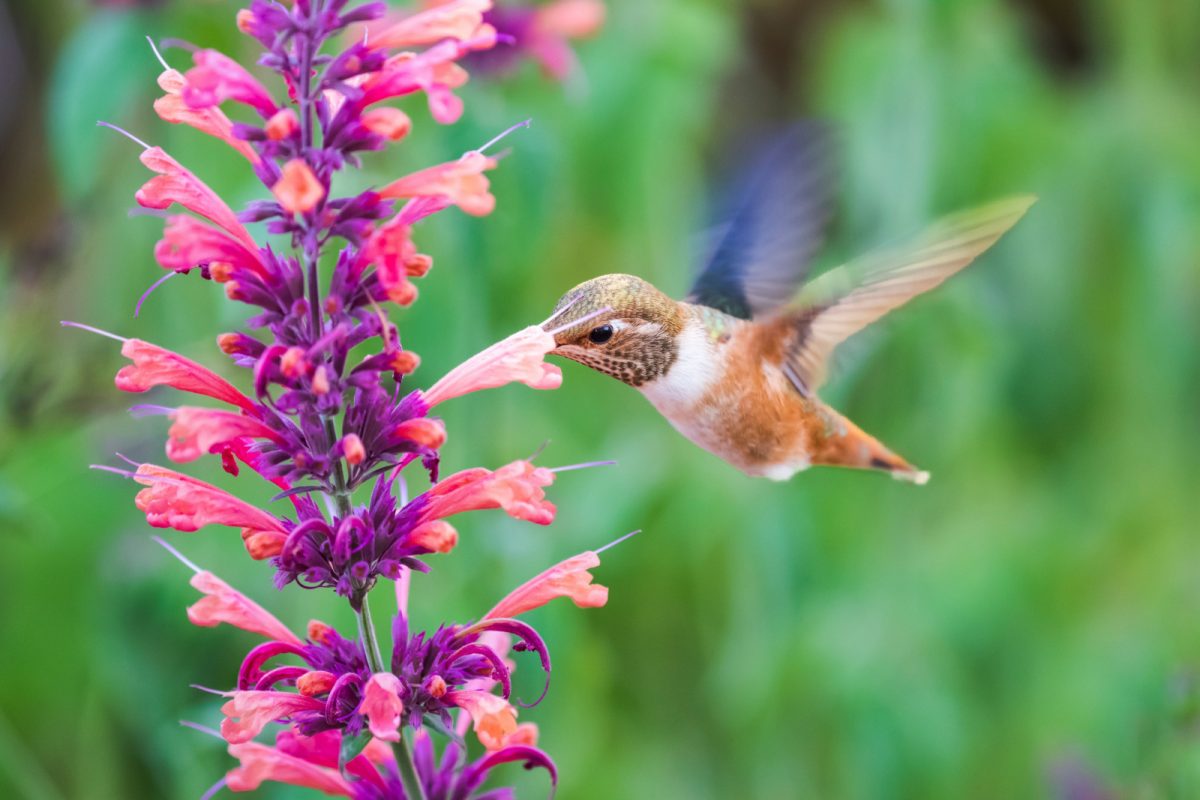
(848, 445)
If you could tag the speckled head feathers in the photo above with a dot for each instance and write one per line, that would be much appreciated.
(644, 324)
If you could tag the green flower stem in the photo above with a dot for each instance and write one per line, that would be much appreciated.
(366, 632)
(404, 761)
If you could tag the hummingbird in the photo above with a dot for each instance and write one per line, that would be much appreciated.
(736, 365)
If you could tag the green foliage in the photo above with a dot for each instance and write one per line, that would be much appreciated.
(839, 636)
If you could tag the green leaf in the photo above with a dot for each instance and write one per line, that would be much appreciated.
(95, 77)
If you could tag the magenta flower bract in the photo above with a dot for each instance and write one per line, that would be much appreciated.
(325, 414)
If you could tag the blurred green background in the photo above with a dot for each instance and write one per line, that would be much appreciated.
(1024, 626)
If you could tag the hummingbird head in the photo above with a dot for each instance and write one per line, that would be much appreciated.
(620, 325)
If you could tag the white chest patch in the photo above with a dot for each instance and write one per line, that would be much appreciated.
(695, 368)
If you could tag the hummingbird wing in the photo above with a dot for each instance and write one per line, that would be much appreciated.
(761, 254)
(846, 299)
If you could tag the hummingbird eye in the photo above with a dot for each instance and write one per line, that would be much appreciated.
(601, 334)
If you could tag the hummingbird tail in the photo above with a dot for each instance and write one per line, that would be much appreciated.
(851, 446)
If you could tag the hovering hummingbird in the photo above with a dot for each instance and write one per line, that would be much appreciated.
(736, 366)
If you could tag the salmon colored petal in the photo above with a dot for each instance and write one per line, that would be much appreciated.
(217, 78)
(462, 182)
(520, 357)
(570, 19)
(436, 536)
(382, 707)
(223, 603)
(175, 184)
(458, 19)
(517, 488)
(155, 366)
(172, 108)
(262, 763)
(298, 189)
(174, 500)
(390, 123)
(495, 720)
(249, 711)
(569, 578)
(396, 260)
(188, 243)
(197, 431)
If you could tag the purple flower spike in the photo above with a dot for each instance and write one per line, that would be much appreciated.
(325, 410)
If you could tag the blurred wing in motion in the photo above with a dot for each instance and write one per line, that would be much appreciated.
(761, 254)
(845, 300)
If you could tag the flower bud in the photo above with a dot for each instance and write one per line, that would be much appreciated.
(262, 545)
(320, 381)
(314, 683)
(437, 536)
(319, 632)
(423, 431)
(436, 686)
(292, 363)
(282, 125)
(352, 449)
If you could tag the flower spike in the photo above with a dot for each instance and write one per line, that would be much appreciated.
(325, 410)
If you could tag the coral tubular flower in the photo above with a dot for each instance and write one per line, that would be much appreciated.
(261, 763)
(175, 184)
(174, 500)
(211, 120)
(458, 19)
(382, 706)
(556, 22)
(249, 711)
(569, 578)
(517, 488)
(390, 123)
(217, 78)
(520, 357)
(461, 182)
(495, 720)
(188, 243)
(197, 431)
(223, 603)
(297, 189)
(155, 366)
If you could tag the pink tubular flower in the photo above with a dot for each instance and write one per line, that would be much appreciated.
(555, 23)
(396, 260)
(382, 706)
(217, 78)
(517, 358)
(174, 500)
(461, 182)
(188, 243)
(249, 711)
(155, 366)
(197, 431)
(433, 72)
(495, 720)
(211, 120)
(517, 488)
(262, 763)
(458, 19)
(298, 189)
(569, 578)
(223, 603)
(390, 123)
(175, 184)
